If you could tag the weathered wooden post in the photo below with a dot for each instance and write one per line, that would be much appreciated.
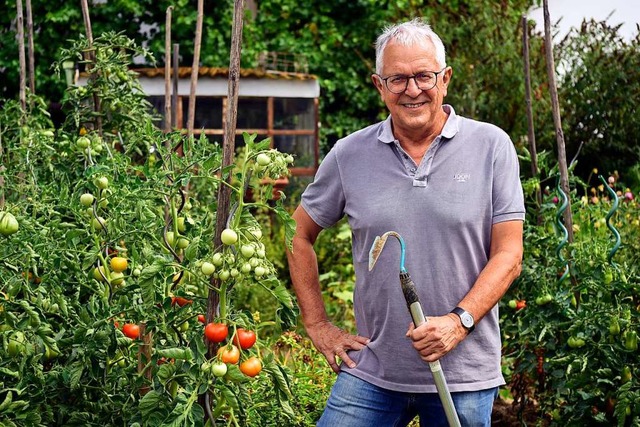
(531, 135)
(167, 72)
(555, 108)
(195, 68)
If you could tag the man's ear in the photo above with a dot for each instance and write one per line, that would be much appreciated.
(446, 79)
(377, 82)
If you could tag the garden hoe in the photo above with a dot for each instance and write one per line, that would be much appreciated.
(413, 303)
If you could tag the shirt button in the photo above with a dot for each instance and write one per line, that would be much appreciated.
(413, 169)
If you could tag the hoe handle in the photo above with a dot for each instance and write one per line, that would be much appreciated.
(413, 303)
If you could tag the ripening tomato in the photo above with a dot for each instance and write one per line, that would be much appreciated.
(520, 304)
(244, 338)
(251, 367)
(229, 354)
(131, 330)
(216, 332)
(201, 318)
(118, 264)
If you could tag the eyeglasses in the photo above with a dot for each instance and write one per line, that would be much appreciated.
(424, 81)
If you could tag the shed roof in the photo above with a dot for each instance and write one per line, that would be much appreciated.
(185, 72)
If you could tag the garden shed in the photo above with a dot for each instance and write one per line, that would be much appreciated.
(280, 105)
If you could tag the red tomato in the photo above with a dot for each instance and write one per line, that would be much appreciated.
(244, 339)
(131, 330)
(216, 332)
(229, 354)
(520, 304)
(180, 301)
(201, 318)
(251, 367)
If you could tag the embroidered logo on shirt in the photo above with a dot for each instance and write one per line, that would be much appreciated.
(461, 176)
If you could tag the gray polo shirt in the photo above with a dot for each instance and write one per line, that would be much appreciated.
(444, 209)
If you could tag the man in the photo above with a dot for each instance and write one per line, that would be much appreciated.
(450, 186)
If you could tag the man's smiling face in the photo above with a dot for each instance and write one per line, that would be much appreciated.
(415, 111)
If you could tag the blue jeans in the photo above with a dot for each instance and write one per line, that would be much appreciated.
(357, 403)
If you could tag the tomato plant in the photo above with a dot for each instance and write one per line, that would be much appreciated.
(116, 220)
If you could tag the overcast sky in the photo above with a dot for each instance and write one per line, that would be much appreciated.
(573, 12)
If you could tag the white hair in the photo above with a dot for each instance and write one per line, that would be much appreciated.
(409, 33)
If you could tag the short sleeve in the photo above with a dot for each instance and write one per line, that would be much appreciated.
(508, 198)
(324, 198)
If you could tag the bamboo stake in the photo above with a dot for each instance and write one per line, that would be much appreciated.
(195, 68)
(167, 72)
(231, 113)
(21, 59)
(32, 78)
(527, 94)
(555, 108)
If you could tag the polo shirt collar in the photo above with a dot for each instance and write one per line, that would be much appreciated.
(449, 130)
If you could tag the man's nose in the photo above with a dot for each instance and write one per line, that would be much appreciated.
(412, 87)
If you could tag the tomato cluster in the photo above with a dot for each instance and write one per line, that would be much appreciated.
(230, 353)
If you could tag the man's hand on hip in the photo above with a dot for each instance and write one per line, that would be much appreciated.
(334, 342)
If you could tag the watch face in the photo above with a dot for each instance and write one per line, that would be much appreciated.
(467, 320)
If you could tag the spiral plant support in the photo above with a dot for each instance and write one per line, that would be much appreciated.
(612, 211)
(564, 232)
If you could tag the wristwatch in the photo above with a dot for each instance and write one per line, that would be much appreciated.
(466, 319)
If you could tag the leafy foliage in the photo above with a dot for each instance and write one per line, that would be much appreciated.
(83, 198)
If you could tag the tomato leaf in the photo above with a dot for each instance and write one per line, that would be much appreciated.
(150, 402)
(288, 223)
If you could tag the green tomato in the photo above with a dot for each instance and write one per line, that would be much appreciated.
(229, 237)
(247, 251)
(263, 159)
(102, 182)
(207, 268)
(182, 243)
(117, 278)
(217, 259)
(183, 327)
(97, 223)
(181, 225)
(171, 238)
(8, 224)
(224, 275)
(86, 199)
(260, 271)
(83, 142)
(16, 345)
(218, 369)
(256, 232)
(245, 268)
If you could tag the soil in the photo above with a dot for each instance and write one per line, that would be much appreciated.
(506, 414)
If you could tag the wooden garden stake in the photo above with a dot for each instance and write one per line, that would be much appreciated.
(224, 192)
(195, 68)
(531, 134)
(562, 155)
(174, 96)
(32, 67)
(91, 56)
(167, 72)
(144, 357)
(21, 59)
